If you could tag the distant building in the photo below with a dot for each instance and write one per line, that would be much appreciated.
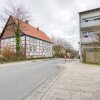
(34, 42)
(89, 29)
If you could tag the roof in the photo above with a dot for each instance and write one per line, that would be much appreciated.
(90, 10)
(32, 31)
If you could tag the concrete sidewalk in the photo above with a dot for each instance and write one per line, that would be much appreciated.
(77, 82)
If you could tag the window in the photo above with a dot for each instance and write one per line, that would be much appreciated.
(91, 34)
(12, 39)
(98, 18)
(31, 40)
(83, 20)
(95, 18)
(88, 34)
(44, 49)
(40, 41)
(85, 34)
(86, 20)
(31, 49)
(34, 41)
(34, 48)
(37, 41)
(27, 38)
(22, 38)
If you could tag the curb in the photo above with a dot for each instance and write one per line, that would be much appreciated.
(6, 65)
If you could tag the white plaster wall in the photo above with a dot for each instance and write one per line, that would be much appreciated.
(38, 48)
(11, 43)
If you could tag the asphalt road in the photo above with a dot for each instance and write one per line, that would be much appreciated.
(17, 81)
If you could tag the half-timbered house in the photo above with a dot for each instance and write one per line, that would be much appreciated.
(34, 42)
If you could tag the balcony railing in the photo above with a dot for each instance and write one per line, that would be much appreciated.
(87, 40)
(90, 23)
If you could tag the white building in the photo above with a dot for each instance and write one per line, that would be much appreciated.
(34, 42)
(89, 30)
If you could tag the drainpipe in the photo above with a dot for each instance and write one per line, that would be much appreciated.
(80, 45)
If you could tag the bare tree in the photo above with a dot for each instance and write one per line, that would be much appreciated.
(21, 14)
(62, 42)
(61, 46)
(17, 10)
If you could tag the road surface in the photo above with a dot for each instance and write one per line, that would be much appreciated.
(17, 81)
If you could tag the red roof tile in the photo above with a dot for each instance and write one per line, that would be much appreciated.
(32, 31)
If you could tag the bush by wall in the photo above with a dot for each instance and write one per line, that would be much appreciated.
(7, 55)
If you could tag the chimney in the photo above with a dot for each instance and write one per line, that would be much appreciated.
(26, 21)
(38, 28)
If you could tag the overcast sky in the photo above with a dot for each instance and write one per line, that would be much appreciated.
(57, 17)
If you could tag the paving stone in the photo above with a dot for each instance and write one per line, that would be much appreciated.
(86, 96)
(77, 82)
(62, 95)
(87, 89)
(96, 96)
(76, 95)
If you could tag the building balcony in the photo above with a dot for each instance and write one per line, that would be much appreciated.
(90, 23)
(88, 40)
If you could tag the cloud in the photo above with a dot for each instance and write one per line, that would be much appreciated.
(58, 17)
